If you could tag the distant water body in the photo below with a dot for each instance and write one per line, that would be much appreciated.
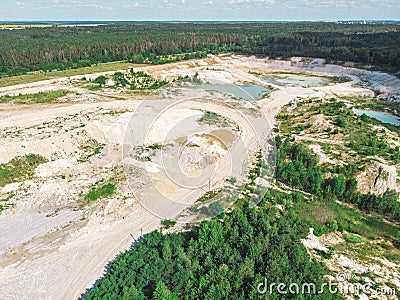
(378, 115)
(288, 79)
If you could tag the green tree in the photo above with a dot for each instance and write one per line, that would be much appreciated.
(163, 293)
(101, 80)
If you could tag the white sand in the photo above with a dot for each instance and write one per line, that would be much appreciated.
(52, 248)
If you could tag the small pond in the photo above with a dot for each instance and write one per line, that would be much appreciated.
(380, 116)
(288, 79)
(244, 91)
(384, 117)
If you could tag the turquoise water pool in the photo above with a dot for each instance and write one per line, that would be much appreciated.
(244, 91)
(380, 116)
(288, 79)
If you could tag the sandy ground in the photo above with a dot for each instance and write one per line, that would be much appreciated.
(376, 270)
(53, 246)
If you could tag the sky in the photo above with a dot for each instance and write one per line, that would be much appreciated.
(256, 10)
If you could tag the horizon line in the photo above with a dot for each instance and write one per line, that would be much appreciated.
(178, 20)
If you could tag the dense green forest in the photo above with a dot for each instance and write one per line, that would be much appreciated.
(225, 258)
(34, 49)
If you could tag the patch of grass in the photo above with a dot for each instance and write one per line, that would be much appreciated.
(91, 147)
(392, 256)
(96, 151)
(211, 118)
(207, 196)
(363, 234)
(317, 214)
(321, 214)
(155, 146)
(232, 180)
(4, 202)
(20, 168)
(93, 87)
(99, 192)
(38, 98)
(168, 223)
(351, 238)
(193, 145)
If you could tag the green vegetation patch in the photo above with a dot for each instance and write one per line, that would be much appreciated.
(96, 151)
(100, 191)
(326, 216)
(297, 167)
(4, 203)
(137, 81)
(20, 168)
(91, 147)
(168, 223)
(351, 238)
(364, 236)
(38, 98)
(343, 125)
(220, 259)
(212, 118)
(43, 75)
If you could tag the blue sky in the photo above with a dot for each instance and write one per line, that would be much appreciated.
(268, 10)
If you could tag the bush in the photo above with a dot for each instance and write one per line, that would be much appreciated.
(101, 80)
(168, 223)
(102, 192)
(351, 238)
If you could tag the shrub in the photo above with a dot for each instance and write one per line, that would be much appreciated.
(101, 192)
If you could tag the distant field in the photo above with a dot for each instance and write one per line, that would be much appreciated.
(23, 26)
(28, 78)
(47, 97)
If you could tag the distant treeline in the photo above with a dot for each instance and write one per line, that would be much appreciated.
(34, 49)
